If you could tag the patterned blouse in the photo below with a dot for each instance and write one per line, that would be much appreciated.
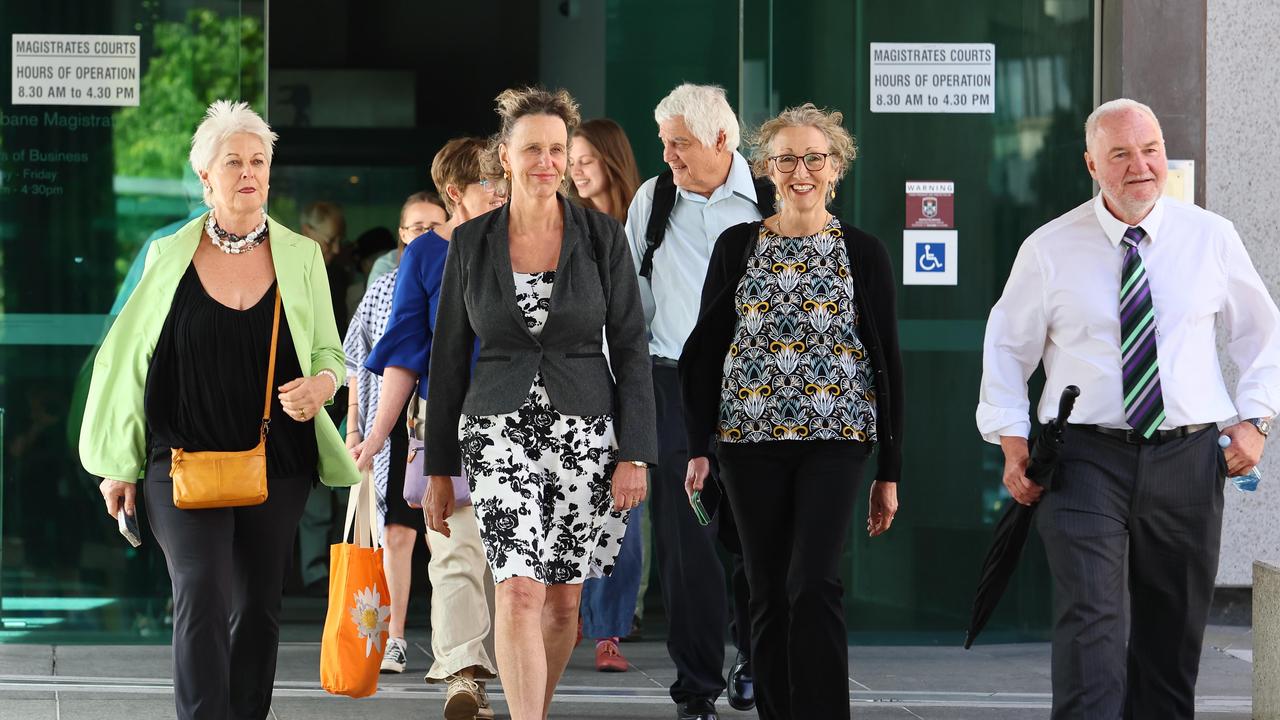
(796, 369)
(367, 327)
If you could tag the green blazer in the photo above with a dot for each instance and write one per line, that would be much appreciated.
(113, 433)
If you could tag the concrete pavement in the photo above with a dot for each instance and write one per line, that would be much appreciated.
(990, 682)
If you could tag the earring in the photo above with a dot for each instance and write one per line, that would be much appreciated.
(506, 175)
(833, 190)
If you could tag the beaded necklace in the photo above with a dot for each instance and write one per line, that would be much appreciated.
(232, 244)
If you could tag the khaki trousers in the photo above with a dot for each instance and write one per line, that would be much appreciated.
(461, 600)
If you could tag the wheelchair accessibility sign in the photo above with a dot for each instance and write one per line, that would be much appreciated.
(929, 257)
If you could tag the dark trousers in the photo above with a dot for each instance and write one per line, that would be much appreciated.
(1155, 511)
(693, 587)
(794, 501)
(228, 567)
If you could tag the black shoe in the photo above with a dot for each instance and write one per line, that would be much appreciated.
(742, 689)
(696, 710)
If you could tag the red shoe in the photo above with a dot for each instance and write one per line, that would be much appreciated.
(608, 658)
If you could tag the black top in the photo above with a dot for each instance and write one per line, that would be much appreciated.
(208, 375)
(702, 362)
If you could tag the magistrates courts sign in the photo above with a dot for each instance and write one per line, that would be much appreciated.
(75, 70)
(933, 78)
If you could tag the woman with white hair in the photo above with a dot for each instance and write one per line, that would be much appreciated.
(185, 369)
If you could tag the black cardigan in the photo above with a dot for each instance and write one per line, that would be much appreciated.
(702, 361)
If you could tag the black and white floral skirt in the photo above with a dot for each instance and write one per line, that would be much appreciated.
(541, 486)
(541, 481)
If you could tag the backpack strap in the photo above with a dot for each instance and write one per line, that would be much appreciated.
(664, 201)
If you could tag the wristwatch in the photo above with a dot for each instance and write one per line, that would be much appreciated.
(644, 465)
(1263, 425)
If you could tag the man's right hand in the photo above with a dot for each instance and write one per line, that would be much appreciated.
(1016, 456)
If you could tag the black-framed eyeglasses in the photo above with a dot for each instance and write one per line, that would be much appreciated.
(813, 162)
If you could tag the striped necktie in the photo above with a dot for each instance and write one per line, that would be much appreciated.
(1143, 401)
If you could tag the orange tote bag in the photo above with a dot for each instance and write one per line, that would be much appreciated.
(355, 627)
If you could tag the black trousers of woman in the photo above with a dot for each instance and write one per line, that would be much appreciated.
(793, 501)
(228, 567)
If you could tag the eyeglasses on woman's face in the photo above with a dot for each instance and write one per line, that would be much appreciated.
(496, 188)
(813, 162)
(420, 228)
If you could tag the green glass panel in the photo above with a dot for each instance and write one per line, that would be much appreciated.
(82, 189)
(1013, 169)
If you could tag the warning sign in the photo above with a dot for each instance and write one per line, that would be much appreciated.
(75, 70)
(933, 78)
(931, 205)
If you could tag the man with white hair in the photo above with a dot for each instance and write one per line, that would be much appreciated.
(673, 224)
(1122, 297)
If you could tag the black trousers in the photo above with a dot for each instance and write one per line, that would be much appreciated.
(794, 501)
(228, 567)
(1156, 509)
(693, 586)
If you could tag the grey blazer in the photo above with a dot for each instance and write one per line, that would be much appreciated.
(595, 289)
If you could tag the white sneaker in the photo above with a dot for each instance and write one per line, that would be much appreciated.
(396, 656)
(462, 699)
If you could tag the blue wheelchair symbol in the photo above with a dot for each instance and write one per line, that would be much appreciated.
(931, 257)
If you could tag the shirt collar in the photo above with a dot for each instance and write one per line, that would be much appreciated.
(739, 182)
(1115, 228)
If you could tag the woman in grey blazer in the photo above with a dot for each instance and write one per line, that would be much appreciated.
(555, 437)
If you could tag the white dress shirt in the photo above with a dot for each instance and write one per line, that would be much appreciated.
(673, 292)
(1061, 305)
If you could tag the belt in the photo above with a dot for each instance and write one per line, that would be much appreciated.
(662, 362)
(1133, 438)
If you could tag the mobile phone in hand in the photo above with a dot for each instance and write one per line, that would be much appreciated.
(698, 510)
(128, 525)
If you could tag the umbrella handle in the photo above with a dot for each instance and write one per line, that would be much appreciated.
(1066, 403)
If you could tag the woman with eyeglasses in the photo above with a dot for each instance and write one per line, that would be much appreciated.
(421, 213)
(794, 369)
(460, 617)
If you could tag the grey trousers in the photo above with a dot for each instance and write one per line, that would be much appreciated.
(228, 567)
(1146, 518)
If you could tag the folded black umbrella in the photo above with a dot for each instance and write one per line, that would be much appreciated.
(1011, 531)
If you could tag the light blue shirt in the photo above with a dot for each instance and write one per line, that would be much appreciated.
(674, 290)
(386, 262)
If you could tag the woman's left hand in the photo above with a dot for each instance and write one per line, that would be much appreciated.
(884, 505)
(302, 398)
(630, 486)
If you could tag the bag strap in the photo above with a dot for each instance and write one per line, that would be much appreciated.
(362, 513)
(271, 369)
(664, 201)
(411, 413)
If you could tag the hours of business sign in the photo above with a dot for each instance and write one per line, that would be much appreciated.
(75, 70)
(933, 77)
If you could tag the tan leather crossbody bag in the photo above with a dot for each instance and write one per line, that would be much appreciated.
(215, 479)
